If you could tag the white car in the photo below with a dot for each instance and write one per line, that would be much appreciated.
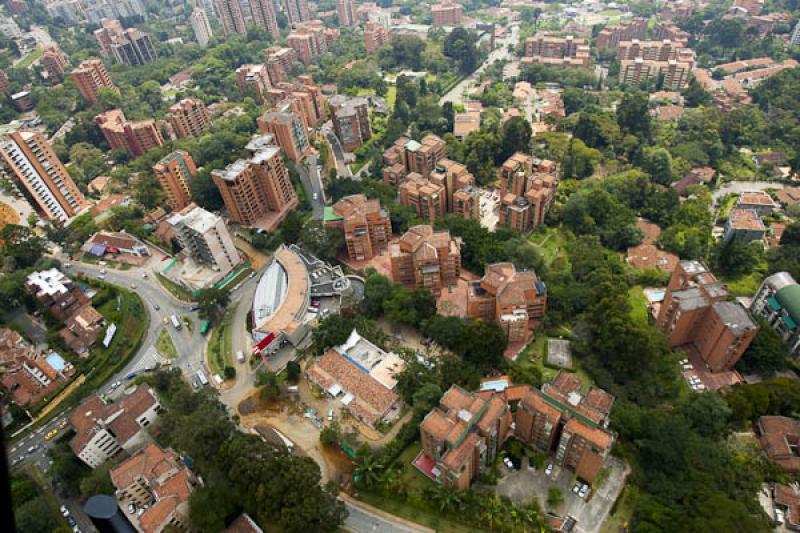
(330, 415)
(131, 508)
(508, 463)
(64, 511)
(576, 488)
(548, 469)
(584, 491)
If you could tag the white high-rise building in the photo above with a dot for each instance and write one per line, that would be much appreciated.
(201, 26)
(206, 239)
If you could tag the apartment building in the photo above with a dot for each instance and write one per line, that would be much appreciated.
(27, 376)
(458, 182)
(264, 16)
(296, 10)
(306, 44)
(515, 300)
(189, 118)
(462, 436)
(665, 30)
(744, 225)
(611, 36)
(174, 172)
(346, 12)
(102, 430)
(253, 78)
(664, 50)
(133, 48)
(29, 162)
(557, 51)
(310, 102)
(56, 292)
(201, 26)
(157, 482)
(695, 312)
(779, 437)
(134, 137)
(279, 62)
(350, 118)
(446, 13)
(257, 191)
(424, 258)
(105, 35)
(288, 129)
(427, 199)
(527, 191)
(204, 237)
(409, 156)
(230, 14)
(778, 302)
(558, 419)
(53, 62)
(365, 224)
(375, 36)
(672, 74)
(90, 76)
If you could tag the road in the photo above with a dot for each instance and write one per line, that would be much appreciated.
(362, 518)
(312, 183)
(338, 152)
(736, 187)
(456, 94)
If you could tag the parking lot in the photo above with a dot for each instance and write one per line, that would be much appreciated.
(489, 202)
(590, 512)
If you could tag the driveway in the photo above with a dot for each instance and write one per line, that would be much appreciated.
(737, 187)
(363, 518)
(524, 484)
(309, 177)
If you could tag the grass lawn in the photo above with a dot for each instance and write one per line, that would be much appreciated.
(727, 204)
(391, 96)
(743, 285)
(219, 346)
(433, 520)
(622, 511)
(550, 242)
(30, 58)
(174, 289)
(165, 346)
(611, 12)
(638, 303)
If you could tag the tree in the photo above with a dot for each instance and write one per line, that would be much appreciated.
(321, 242)
(269, 384)
(211, 507)
(229, 372)
(98, 481)
(426, 398)
(292, 371)
(736, 257)
(767, 352)
(377, 291)
(368, 468)
(695, 95)
(149, 192)
(330, 435)
(212, 303)
(658, 163)
(22, 244)
(554, 497)
(460, 45)
(37, 515)
(791, 235)
(515, 137)
(633, 115)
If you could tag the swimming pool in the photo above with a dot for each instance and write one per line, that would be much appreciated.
(56, 361)
(497, 386)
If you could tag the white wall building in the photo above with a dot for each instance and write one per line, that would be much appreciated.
(206, 239)
(201, 26)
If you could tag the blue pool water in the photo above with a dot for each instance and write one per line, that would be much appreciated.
(56, 361)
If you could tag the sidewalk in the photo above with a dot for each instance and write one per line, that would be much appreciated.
(383, 515)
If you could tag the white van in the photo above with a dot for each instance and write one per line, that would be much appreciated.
(240, 356)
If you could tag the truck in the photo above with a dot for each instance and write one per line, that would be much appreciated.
(175, 322)
(202, 377)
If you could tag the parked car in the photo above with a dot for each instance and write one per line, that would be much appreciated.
(64, 511)
(576, 488)
(330, 415)
(131, 508)
(584, 491)
(156, 307)
(779, 516)
(71, 521)
(508, 463)
(548, 469)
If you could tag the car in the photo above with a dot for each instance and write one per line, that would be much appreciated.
(71, 521)
(131, 508)
(584, 491)
(103, 271)
(315, 196)
(577, 487)
(194, 308)
(133, 286)
(313, 310)
(779, 516)
(314, 303)
(195, 384)
(165, 258)
(116, 384)
(63, 424)
(101, 277)
(508, 463)
(548, 469)
(165, 320)
(144, 275)
(330, 415)
(67, 265)
(64, 511)
(33, 448)
(156, 307)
